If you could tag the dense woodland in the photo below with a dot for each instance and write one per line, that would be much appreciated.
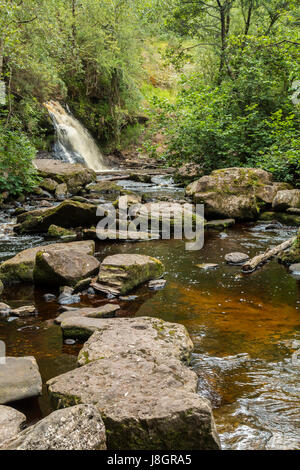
(216, 78)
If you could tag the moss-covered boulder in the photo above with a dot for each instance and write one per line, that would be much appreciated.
(75, 177)
(119, 274)
(63, 267)
(60, 232)
(68, 214)
(1, 287)
(20, 267)
(239, 193)
(292, 256)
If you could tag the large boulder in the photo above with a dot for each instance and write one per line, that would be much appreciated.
(119, 274)
(145, 404)
(286, 199)
(63, 267)
(19, 379)
(237, 193)
(74, 176)
(68, 214)
(20, 267)
(11, 423)
(77, 428)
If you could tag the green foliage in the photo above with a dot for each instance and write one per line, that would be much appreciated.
(16, 171)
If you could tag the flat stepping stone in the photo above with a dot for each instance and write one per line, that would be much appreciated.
(144, 404)
(19, 379)
(105, 311)
(119, 336)
(23, 312)
(237, 258)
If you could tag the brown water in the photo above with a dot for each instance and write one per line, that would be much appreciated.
(242, 326)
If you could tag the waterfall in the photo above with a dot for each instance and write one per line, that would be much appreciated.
(74, 143)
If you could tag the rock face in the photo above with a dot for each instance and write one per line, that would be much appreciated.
(286, 199)
(237, 193)
(19, 379)
(63, 268)
(68, 214)
(119, 274)
(132, 372)
(105, 311)
(20, 267)
(77, 428)
(74, 176)
(11, 423)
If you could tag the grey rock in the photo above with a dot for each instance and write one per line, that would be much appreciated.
(144, 404)
(65, 299)
(104, 311)
(49, 297)
(236, 258)
(4, 309)
(26, 311)
(121, 273)
(157, 285)
(76, 428)
(11, 423)
(19, 379)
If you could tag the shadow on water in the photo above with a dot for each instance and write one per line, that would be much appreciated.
(243, 327)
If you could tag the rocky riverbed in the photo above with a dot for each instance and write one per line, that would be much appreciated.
(76, 288)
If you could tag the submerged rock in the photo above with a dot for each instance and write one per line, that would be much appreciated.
(119, 274)
(105, 311)
(20, 267)
(219, 224)
(131, 370)
(236, 258)
(207, 266)
(76, 428)
(11, 423)
(19, 379)
(68, 214)
(235, 192)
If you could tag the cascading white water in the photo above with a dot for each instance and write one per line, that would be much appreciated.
(74, 143)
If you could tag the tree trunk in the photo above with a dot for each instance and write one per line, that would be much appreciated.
(259, 260)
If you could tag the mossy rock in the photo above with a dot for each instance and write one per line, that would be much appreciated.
(59, 232)
(68, 214)
(291, 256)
(282, 217)
(1, 287)
(49, 185)
(74, 176)
(122, 273)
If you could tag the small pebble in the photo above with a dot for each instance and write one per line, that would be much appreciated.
(70, 342)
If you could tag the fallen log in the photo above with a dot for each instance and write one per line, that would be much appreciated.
(259, 260)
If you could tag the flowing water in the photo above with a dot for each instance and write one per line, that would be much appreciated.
(245, 328)
(74, 143)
